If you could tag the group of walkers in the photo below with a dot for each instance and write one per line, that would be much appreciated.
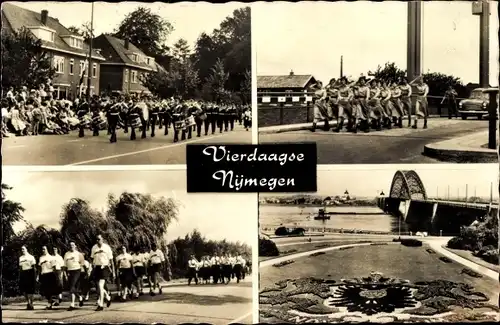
(369, 104)
(103, 267)
(36, 112)
(219, 268)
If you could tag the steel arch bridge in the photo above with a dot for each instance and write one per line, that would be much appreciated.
(407, 185)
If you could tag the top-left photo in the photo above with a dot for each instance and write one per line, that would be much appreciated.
(124, 83)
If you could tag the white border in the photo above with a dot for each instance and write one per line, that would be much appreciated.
(255, 111)
(417, 167)
(93, 168)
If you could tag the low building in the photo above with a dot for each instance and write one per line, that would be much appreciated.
(124, 67)
(285, 88)
(67, 50)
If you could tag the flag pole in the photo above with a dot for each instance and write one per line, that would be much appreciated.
(89, 74)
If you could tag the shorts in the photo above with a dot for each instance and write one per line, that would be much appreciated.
(140, 271)
(154, 268)
(126, 276)
(101, 273)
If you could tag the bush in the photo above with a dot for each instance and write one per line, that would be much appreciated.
(410, 242)
(268, 248)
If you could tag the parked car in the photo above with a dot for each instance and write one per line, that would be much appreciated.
(475, 105)
(284, 231)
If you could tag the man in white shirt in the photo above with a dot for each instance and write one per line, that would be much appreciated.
(156, 261)
(102, 257)
(58, 264)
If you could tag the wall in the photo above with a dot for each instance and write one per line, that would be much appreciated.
(111, 78)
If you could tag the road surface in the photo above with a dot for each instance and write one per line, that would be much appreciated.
(212, 304)
(379, 147)
(72, 150)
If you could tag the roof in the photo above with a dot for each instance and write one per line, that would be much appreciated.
(113, 49)
(18, 17)
(286, 81)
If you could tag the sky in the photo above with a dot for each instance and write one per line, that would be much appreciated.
(369, 181)
(310, 37)
(217, 216)
(189, 19)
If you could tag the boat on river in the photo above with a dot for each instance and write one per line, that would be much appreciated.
(322, 215)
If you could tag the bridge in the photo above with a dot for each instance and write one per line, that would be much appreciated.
(408, 200)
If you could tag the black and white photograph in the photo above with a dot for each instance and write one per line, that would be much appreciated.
(138, 250)
(128, 83)
(382, 244)
(380, 82)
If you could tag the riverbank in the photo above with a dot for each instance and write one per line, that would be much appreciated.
(318, 205)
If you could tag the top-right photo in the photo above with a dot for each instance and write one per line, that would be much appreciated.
(380, 82)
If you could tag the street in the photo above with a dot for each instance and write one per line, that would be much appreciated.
(213, 304)
(373, 280)
(379, 147)
(72, 150)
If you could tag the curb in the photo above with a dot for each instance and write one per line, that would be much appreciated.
(460, 154)
(305, 126)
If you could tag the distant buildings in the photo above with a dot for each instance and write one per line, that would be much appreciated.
(288, 86)
(68, 51)
(116, 64)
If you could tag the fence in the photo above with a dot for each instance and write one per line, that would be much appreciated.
(280, 108)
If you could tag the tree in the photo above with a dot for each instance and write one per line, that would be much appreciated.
(85, 31)
(146, 30)
(439, 83)
(12, 213)
(390, 73)
(182, 75)
(24, 61)
(246, 88)
(217, 81)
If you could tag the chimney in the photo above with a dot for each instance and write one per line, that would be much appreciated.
(291, 73)
(126, 43)
(45, 15)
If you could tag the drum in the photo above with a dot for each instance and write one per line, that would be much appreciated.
(190, 121)
(135, 121)
(179, 125)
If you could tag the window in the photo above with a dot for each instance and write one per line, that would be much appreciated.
(148, 61)
(134, 77)
(94, 70)
(59, 63)
(52, 36)
(71, 66)
(288, 93)
(135, 57)
(126, 75)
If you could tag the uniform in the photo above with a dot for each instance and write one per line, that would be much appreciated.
(81, 112)
(113, 117)
(73, 261)
(239, 268)
(101, 257)
(155, 112)
(48, 280)
(125, 269)
(156, 258)
(192, 272)
(216, 268)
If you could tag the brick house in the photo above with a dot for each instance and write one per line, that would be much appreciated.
(124, 66)
(67, 50)
(282, 86)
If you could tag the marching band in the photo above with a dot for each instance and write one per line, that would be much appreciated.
(78, 274)
(31, 114)
(366, 105)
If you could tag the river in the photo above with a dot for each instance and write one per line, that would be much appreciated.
(371, 219)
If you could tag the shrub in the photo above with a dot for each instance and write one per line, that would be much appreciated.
(268, 248)
(410, 242)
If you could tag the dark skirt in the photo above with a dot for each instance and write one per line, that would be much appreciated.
(227, 270)
(101, 273)
(191, 272)
(204, 273)
(140, 271)
(58, 287)
(126, 277)
(27, 282)
(48, 285)
(74, 281)
(154, 268)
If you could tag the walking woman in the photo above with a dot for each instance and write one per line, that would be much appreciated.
(406, 93)
(102, 257)
(421, 106)
(125, 272)
(58, 266)
(85, 279)
(156, 260)
(27, 276)
(397, 114)
(47, 277)
(345, 97)
(73, 262)
(192, 271)
(138, 262)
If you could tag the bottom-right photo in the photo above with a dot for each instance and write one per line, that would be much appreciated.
(412, 243)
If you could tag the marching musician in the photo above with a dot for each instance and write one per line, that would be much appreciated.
(154, 111)
(178, 121)
(208, 110)
(199, 116)
(113, 117)
(233, 115)
(192, 272)
(96, 120)
(82, 110)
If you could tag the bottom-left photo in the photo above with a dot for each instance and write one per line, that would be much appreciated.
(124, 246)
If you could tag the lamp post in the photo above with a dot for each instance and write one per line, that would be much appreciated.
(89, 74)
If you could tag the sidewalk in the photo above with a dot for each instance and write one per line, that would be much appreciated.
(306, 126)
(469, 148)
